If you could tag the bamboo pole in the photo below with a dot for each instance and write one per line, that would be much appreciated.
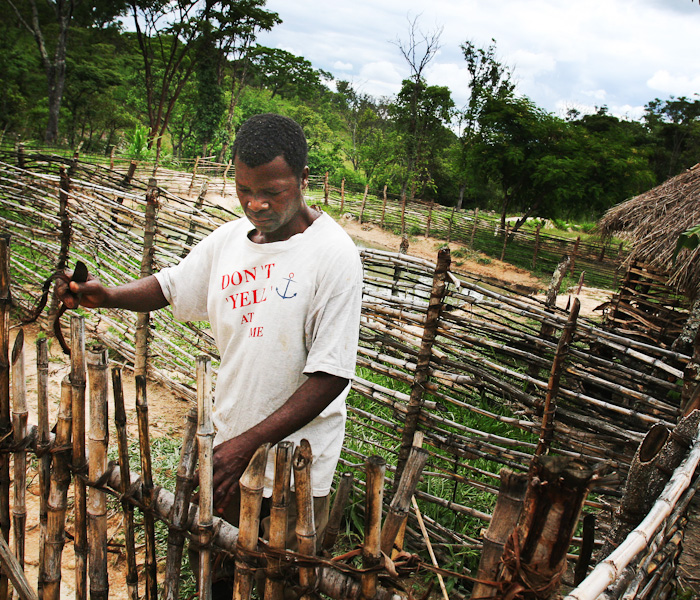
(77, 379)
(181, 504)
(193, 222)
(140, 373)
(375, 466)
(403, 212)
(194, 174)
(132, 578)
(549, 408)
(429, 545)
(305, 528)
(401, 502)
(226, 170)
(65, 237)
(326, 189)
(12, 568)
(43, 446)
(19, 425)
(336, 515)
(432, 318)
(5, 422)
(281, 492)
(97, 502)
(574, 254)
(151, 568)
(251, 484)
(58, 495)
(505, 242)
(505, 517)
(205, 445)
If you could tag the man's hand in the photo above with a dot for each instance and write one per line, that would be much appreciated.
(231, 459)
(91, 294)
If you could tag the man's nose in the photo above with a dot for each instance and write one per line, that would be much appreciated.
(257, 204)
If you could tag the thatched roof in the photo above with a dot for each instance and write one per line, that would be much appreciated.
(653, 221)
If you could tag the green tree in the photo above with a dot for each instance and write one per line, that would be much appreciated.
(488, 78)
(286, 74)
(674, 126)
(169, 34)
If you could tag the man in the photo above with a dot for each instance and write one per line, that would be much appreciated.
(282, 291)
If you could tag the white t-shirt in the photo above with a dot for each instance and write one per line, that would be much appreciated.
(277, 311)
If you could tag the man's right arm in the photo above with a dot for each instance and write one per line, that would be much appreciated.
(140, 295)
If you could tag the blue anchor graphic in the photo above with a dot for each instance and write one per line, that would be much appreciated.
(284, 295)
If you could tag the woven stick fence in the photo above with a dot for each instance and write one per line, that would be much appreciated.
(464, 364)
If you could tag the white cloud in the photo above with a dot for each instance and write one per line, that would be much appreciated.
(674, 84)
(342, 66)
(381, 78)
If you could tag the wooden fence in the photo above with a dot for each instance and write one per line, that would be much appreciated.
(479, 372)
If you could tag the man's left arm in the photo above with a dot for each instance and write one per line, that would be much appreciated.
(232, 457)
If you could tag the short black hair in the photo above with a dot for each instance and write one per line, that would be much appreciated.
(264, 137)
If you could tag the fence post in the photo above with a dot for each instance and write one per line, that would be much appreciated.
(20, 156)
(537, 246)
(415, 402)
(194, 174)
(505, 241)
(549, 409)
(573, 255)
(140, 372)
(476, 220)
(193, 226)
(326, 189)
(403, 212)
(111, 158)
(5, 424)
(364, 200)
(77, 382)
(65, 237)
(452, 218)
(226, 170)
(430, 218)
(384, 206)
(342, 194)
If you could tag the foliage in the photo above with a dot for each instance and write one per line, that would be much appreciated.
(689, 239)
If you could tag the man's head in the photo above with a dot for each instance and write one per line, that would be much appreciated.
(264, 137)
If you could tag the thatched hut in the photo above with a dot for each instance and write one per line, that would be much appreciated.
(657, 289)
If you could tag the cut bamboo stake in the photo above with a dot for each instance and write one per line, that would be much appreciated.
(476, 220)
(132, 578)
(251, 485)
(147, 476)
(19, 425)
(401, 502)
(608, 570)
(58, 495)
(421, 524)
(12, 568)
(383, 206)
(97, 501)
(422, 376)
(178, 516)
(375, 467)
(550, 407)
(535, 554)
(43, 445)
(305, 528)
(205, 445)
(77, 380)
(364, 200)
(629, 514)
(281, 492)
(336, 515)
(342, 195)
(504, 519)
(5, 422)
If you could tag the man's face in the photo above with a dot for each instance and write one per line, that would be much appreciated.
(272, 198)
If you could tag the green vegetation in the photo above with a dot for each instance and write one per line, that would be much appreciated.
(180, 84)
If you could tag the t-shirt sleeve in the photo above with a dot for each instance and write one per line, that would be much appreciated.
(186, 285)
(332, 328)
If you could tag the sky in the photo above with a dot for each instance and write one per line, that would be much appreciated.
(564, 54)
